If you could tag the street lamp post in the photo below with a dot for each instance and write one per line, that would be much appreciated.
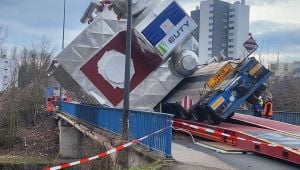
(127, 72)
(62, 47)
(63, 35)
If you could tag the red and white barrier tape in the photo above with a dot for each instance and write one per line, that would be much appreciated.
(219, 133)
(103, 154)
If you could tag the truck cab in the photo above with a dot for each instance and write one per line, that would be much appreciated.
(217, 90)
(232, 85)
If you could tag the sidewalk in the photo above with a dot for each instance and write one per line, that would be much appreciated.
(190, 159)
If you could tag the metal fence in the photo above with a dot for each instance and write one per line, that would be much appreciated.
(282, 116)
(140, 123)
(287, 117)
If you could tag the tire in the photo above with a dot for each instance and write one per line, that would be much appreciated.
(213, 119)
(230, 116)
(199, 112)
(252, 99)
(177, 110)
(182, 112)
(260, 89)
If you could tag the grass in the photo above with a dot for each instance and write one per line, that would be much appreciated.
(23, 159)
(157, 165)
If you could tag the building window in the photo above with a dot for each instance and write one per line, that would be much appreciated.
(231, 22)
(209, 49)
(6, 61)
(211, 5)
(230, 34)
(211, 24)
(230, 52)
(230, 46)
(210, 30)
(231, 10)
(231, 28)
(209, 42)
(5, 77)
(273, 67)
(210, 36)
(211, 11)
(231, 16)
(286, 67)
(211, 18)
(230, 40)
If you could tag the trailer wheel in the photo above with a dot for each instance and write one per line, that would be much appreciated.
(199, 112)
(182, 112)
(252, 99)
(213, 119)
(260, 89)
(230, 116)
(176, 109)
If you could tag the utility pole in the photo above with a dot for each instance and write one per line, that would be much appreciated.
(127, 72)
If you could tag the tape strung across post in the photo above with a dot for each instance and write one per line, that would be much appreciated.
(103, 154)
(219, 133)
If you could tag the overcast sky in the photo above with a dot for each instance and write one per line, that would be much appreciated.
(273, 23)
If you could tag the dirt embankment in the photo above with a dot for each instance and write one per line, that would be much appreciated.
(38, 142)
(38, 146)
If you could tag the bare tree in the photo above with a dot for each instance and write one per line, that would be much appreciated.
(3, 36)
(10, 106)
(22, 100)
(33, 76)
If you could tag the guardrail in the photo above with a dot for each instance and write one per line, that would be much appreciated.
(140, 123)
(281, 116)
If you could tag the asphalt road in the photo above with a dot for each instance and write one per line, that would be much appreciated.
(243, 161)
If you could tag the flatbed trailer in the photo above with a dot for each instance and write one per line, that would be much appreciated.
(268, 124)
(250, 133)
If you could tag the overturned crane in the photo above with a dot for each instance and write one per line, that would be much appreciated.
(163, 54)
(92, 66)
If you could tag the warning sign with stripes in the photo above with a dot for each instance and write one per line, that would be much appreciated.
(187, 102)
(250, 44)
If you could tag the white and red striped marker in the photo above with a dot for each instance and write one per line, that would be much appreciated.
(103, 154)
(219, 133)
(186, 102)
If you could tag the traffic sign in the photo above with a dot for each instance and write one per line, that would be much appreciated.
(250, 44)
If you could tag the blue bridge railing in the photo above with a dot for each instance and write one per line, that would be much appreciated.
(140, 124)
(287, 117)
(281, 116)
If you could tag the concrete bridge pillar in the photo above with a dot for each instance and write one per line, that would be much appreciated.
(69, 140)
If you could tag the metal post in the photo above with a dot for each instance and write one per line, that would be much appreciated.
(62, 47)
(127, 72)
(63, 36)
(251, 52)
